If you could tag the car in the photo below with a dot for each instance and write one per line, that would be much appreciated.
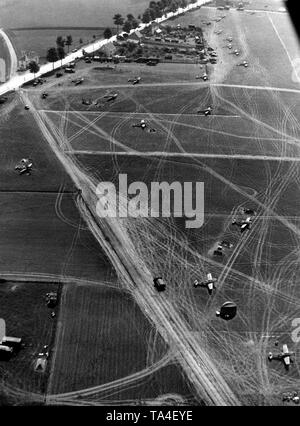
(69, 70)
(59, 74)
(151, 63)
(74, 50)
(27, 107)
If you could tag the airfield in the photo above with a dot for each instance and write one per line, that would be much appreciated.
(124, 349)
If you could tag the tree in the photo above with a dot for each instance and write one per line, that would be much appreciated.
(130, 17)
(127, 27)
(69, 42)
(152, 13)
(61, 54)
(60, 42)
(134, 23)
(33, 67)
(118, 21)
(107, 33)
(146, 16)
(52, 55)
(131, 46)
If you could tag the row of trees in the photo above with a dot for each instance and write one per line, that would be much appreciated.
(61, 42)
(155, 10)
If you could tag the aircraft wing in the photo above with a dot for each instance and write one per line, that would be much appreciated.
(2, 329)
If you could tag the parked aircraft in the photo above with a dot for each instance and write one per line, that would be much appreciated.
(25, 166)
(209, 283)
(135, 80)
(207, 111)
(111, 97)
(284, 356)
(244, 224)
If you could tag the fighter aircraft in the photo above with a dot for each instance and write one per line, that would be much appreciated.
(142, 125)
(244, 224)
(204, 77)
(207, 111)
(25, 166)
(209, 283)
(134, 80)
(284, 356)
(110, 96)
(87, 102)
(78, 81)
(243, 64)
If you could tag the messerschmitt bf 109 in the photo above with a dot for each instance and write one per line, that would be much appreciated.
(284, 356)
(207, 111)
(24, 166)
(243, 64)
(203, 77)
(209, 283)
(135, 80)
(110, 96)
(244, 224)
(78, 81)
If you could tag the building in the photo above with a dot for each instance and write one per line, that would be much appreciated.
(26, 58)
(109, 49)
(136, 36)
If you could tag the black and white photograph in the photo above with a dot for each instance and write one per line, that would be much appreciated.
(149, 206)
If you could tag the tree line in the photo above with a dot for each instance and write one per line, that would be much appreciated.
(156, 9)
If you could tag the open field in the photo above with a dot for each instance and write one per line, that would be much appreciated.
(256, 125)
(104, 339)
(271, 60)
(40, 40)
(237, 128)
(43, 243)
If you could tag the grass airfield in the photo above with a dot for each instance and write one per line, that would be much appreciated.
(247, 155)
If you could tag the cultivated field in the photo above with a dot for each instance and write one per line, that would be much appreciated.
(110, 344)
(23, 307)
